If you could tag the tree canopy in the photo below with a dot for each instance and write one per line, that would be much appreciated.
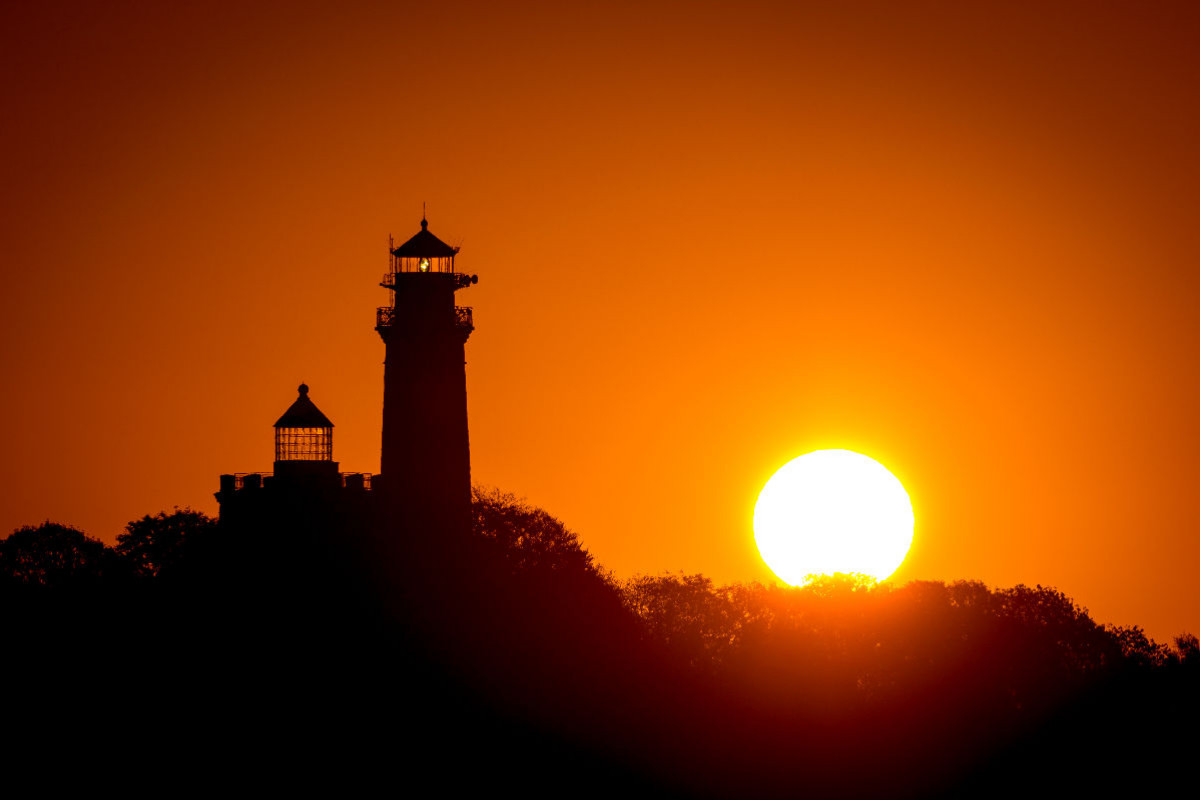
(844, 680)
(51, 554)
(158, 542)
(527, 537)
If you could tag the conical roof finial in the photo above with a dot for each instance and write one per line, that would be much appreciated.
(425, 245)
(303, 413)
(424, 222)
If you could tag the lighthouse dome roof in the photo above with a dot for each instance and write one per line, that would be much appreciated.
(425, 245)
(303, 413)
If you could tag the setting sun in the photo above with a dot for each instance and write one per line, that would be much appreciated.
(833, 511)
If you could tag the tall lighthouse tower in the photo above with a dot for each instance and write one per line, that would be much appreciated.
(426, 460)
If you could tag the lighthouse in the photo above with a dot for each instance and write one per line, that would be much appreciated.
(423, 488)
(425, 463)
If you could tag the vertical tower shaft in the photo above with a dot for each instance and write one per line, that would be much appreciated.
(426, 456)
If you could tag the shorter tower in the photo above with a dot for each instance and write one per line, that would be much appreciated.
(305, 491)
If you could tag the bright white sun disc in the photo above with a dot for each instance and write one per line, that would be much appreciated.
(832, 511)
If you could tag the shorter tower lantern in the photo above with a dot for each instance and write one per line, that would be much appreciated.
(304, 438)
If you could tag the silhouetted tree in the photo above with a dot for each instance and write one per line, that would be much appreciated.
(528, 538)
(847, 640)
(515, 634)
(687, 613)
(51, 554)
(158, 542)
(1188, 648)
(1138, 649)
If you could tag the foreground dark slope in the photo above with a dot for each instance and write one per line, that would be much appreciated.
(341, 654)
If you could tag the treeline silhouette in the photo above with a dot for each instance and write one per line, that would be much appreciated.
(338, 650)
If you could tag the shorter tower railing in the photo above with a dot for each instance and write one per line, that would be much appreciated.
(356, 480)
(259, 480)
(250, 480)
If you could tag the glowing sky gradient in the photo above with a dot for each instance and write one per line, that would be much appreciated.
(710, 237)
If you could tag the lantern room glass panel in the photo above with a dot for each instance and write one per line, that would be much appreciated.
(304, 444)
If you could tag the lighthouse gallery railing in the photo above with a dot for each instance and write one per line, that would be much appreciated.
(386, 316)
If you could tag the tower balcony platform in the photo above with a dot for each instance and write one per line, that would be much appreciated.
(386, 317)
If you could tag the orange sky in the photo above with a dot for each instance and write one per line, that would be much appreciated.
(710, 237)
